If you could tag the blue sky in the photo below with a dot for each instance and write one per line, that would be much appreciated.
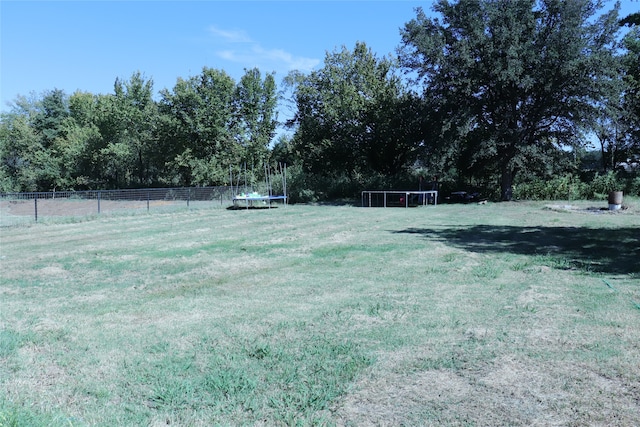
(86, 45)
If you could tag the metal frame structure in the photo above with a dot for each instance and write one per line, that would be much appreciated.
(423, 197)
(251, 198)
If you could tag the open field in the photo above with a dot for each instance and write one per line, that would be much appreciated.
(497, 314)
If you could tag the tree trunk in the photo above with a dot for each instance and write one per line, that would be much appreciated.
(506, 183)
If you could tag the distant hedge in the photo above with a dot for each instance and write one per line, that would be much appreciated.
(573, 187)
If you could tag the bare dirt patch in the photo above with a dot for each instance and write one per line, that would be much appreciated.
(402, 399)
(594, 210)
(507, 392)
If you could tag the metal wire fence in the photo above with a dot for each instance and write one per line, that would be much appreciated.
(19, 208)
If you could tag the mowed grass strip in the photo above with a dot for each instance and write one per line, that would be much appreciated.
(317, 315)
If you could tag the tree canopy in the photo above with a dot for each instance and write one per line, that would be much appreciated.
(355, 116)
(512, 82)
(484, 91)
(191, 136)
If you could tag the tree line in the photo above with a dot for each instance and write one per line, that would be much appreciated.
(190, 136)
(486, 93)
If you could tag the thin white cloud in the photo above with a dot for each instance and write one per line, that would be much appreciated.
(252, 54)
(231, 36)
(229, 55)
(290, 62)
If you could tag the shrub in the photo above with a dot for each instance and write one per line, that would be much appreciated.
(633, 188)
(299, 186)
(601, 185)
(564, 187)
(571, 187)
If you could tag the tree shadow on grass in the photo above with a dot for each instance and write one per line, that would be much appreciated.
(602, 250)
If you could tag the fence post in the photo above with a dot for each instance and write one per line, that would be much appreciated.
(35, 205)
(188, 197)
(98, 202)
(148, 196)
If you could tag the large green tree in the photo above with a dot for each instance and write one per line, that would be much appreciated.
(126, 121)
(511, 82)
(199, 128)
(255, 109)
(354, 116)
(83, 141)
(137, 115)
(618, 122)
(19, 145)
(31, 143)
(631, 98)
(48, 121)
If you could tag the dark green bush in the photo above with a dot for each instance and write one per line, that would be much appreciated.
(601, 185)
(304, 187)
(633, 188)
(565, 187)
(572, 187)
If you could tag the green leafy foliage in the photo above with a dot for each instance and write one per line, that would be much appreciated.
(564, 187)
(631, 99)
(354, 117)
(511, 81)
(192, 136)
(572, 187)
(255, 106)
(209, 124)
(495, 93)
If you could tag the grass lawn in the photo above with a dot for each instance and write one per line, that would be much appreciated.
(497, 314)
